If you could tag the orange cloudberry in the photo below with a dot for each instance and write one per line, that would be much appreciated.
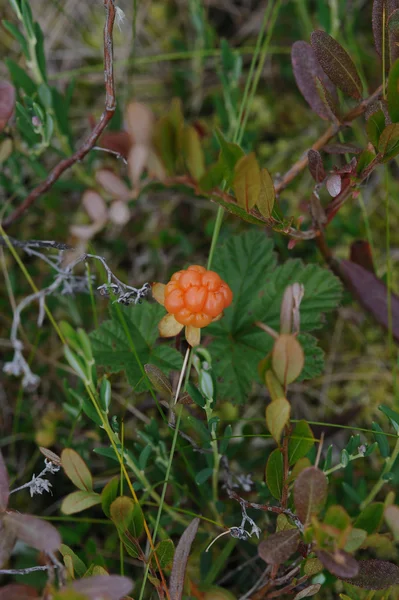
(193, 298)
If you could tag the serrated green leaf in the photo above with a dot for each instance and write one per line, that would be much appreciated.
(238, 346)
(112, 349)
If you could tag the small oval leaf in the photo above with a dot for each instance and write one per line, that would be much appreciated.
(375, 575)
(336, 63)
(278, 547)
(78, 501)
(315, 165)
(33, 531)
(306, 70)
(339, 563)
(75, 468)
(267, 194)
(277, 417)
(247, 181)
(287, 358)
(177, 576)
(310, 493)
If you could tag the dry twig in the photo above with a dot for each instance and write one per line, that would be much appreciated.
(110, 105)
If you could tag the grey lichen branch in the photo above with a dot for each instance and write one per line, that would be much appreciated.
(38, 485)
(66, 282)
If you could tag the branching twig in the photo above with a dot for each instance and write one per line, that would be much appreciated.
(268, 508)
(25, 571)
(302, 163)
(110, 105)
(65, 283)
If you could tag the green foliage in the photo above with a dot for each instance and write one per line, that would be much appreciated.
(129, 339)
(248, 264)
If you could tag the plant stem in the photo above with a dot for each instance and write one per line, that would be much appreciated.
(381, 481)
(162, 499)
(341, 466)
(215, 235)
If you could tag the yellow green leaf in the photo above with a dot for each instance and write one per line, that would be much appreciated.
(277, 417)
(247, 181)
(267, 194)
(193, 153)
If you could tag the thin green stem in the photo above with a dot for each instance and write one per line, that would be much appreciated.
(341, 466)
(388, 265)
(389, 462)
(31, 282)
(215, 235)
(246, 103)
(162, 499)
(261, 64)
(141, 61)
(248, 82)
(383, 53)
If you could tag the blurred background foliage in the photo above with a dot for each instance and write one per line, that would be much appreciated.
(164, 50)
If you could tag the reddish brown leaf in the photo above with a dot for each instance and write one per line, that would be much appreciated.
(375, 575)
(361, 255)
(306, 69)
(310, 493)
(7, 541)
(4, 485)
(117, 141)
(180, 559)
(342, 149)
(16, 591)
(316, 167)
(371, 293)
(382, 11)
(327, 99)
(51, 456)
(278, 547)
(140, 123)
(33, 531)
(336, 63)
(339, 563)
(7, 102)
